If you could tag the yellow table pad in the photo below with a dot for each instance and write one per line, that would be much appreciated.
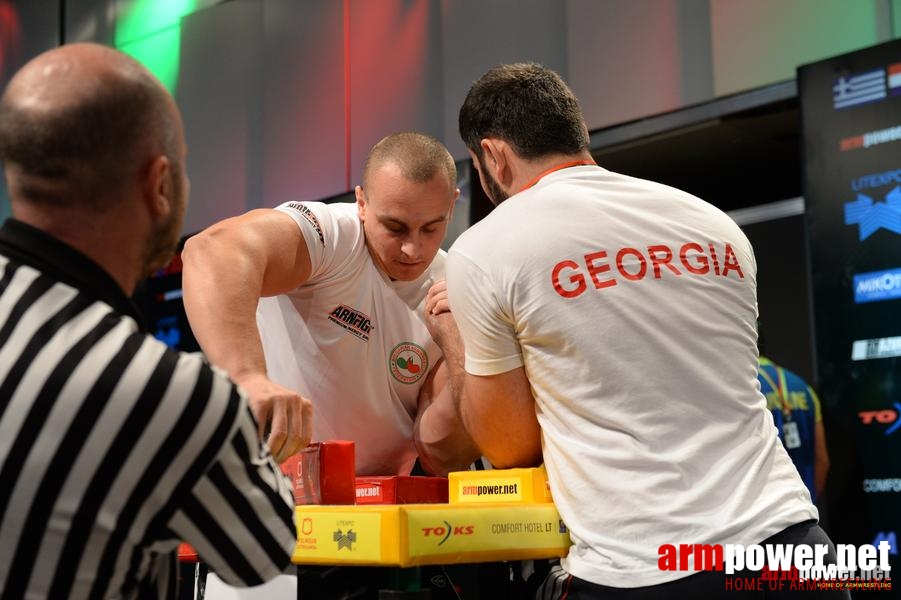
(419, 534)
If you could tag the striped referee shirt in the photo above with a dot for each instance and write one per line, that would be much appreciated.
(113, 448)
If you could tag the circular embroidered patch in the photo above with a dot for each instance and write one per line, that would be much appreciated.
(408, 362)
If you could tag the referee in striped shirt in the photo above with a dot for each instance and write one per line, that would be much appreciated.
(112, 447)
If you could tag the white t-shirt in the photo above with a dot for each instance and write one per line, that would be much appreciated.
(632, 306)
(351, 340)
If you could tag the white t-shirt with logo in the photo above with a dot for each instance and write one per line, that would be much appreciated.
(351, 340)
(632, 307)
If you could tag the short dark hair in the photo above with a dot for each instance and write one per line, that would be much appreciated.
(526, 105)
(419, 157)
(90, 147)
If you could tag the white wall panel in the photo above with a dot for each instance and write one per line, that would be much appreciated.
(479, 35)
(303, 150)
(29, 28)
(762, 42)
(633, 59)
(395, 73)
(219, 93)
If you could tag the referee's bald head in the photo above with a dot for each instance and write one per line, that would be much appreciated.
(78, 121)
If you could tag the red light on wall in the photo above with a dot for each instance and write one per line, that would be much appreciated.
(10, 38)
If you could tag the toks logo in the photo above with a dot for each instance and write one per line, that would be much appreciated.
(885, 416)
(447, 531)
(408, 362)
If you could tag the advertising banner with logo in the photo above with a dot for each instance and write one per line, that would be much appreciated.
(851, 123)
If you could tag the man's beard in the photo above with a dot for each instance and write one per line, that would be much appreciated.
(493, 191)
(162, 244)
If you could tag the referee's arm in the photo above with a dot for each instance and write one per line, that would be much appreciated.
(240, 514)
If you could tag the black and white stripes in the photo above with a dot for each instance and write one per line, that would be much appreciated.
(114, 448)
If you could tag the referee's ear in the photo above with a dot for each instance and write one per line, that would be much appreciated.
(159, 188)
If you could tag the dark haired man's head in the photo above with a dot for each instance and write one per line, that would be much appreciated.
(526, 105)
(82, 128)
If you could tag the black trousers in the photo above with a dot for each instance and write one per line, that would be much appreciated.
(713, 585)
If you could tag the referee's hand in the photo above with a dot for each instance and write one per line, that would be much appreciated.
(284, 414)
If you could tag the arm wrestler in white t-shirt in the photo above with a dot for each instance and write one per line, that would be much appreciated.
(317, 312)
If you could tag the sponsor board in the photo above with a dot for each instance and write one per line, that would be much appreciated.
(419, 534)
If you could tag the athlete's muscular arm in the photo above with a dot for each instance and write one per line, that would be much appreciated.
(439, 435)
(227, 268)
(441, 441)
(498, 411)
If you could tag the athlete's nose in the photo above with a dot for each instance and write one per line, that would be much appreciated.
(410, 247)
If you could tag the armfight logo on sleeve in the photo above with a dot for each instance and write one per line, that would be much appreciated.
(307, 214)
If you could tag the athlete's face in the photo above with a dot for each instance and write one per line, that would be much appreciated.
(404, 221)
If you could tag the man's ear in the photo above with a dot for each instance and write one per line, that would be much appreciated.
(361, 202)
(497, 160)
(158, 188)
(450, 214)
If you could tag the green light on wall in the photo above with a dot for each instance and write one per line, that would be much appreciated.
(150, 31)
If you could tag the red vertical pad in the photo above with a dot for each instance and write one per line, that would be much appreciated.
(323, 473)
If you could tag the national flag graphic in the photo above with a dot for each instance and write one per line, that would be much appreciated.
(858, 89)
(894, 79)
